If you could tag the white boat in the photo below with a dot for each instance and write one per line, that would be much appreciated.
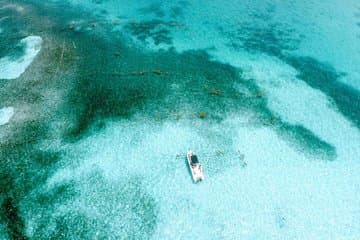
(195, 166)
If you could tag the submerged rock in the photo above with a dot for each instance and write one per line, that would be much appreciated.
(202, 115)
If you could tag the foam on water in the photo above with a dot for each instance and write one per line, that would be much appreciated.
(6, 114)
(12, 68)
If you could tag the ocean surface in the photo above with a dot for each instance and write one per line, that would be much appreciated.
(101, 99)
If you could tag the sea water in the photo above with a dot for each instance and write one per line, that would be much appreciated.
(113, 93)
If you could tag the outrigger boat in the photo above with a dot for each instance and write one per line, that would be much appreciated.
(195, 166)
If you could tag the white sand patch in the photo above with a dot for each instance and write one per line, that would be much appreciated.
(12, 69)
(297, 103)
(6, 114)
(280, 194)
(277, 196)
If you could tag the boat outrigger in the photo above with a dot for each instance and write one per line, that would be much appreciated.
(195, 166)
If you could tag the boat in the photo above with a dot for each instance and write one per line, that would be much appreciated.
(195, 167)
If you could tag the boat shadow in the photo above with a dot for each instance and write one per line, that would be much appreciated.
(188, 167)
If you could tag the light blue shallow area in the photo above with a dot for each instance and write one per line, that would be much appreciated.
(130, 178)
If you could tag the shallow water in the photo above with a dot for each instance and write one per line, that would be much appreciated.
(6, 114)
(108, 99)
(12, 67)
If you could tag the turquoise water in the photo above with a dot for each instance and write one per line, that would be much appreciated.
(100, 100)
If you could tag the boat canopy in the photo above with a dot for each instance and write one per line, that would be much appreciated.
(194, 159)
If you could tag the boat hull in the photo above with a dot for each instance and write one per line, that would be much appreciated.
(196, 171)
